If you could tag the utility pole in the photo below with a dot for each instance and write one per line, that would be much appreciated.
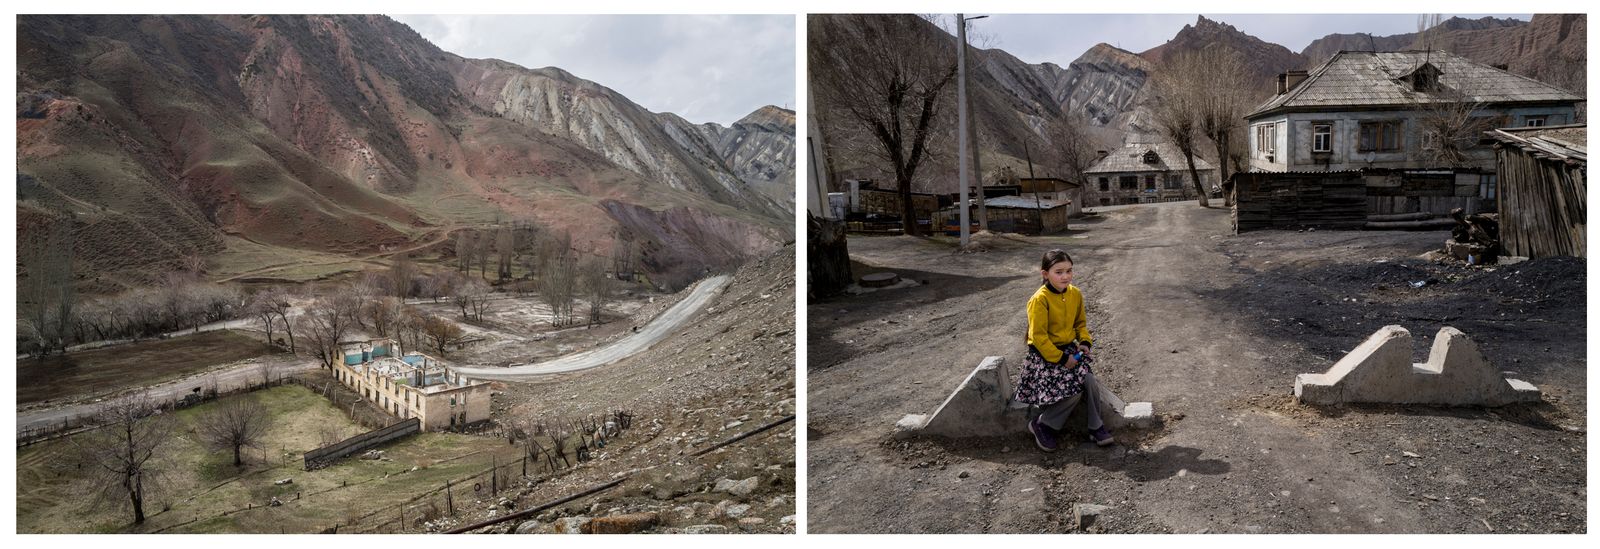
(1038, 208)
(972, 134)
(961, 120)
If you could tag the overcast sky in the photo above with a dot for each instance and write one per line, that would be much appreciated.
(1060, 39)
(705, 68)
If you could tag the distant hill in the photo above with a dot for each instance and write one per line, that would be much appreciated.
(254, 141)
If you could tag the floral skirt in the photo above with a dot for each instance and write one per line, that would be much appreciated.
(1045, 383)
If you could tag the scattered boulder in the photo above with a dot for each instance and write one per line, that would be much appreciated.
(751, 524)
(283, 481)
(738, 488)
(529, 527)
(631, 523)
(1085, 514)
(706, 529)
(571, 525)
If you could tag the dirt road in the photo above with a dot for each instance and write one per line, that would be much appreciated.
(1211, 328)
(666, 323)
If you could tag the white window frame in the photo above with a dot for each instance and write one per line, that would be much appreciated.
(1322, 137)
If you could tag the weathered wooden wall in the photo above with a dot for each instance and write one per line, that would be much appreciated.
(1345, 200)
(1542, 209)
(1265, 200)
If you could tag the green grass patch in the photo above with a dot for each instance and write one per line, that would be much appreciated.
(200, 483)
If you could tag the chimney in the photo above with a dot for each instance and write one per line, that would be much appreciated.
(1281, 79)
(1101, 154)
(1293, 78)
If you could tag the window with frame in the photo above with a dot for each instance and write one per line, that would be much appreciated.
(1486, 185)
(1266, 138)
(1150, 182)
(1174, 181)
(1322, 138)
(1128, 182)
(1534, 121)
(1380, 135)
(1105, 184)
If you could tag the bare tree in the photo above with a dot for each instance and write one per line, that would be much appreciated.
(45, 294)
(481, 250)
(505, 248)
(402, 272)
(1072, 148)
(235, 424)
(327, 321)
(464, 248)
(383, 313)
(262, 308)
(1221, 98)
(887, 91)
(624, 253)
(442, 333)
(120, 451)
(1179, 100)
(558, 285)
(277, 301)
(597, 287)
(471, 296)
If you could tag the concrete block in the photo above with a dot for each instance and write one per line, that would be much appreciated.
(982, 406)
(977, 407)
(1380, 371)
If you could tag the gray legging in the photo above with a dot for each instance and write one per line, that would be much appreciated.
(1055, 415)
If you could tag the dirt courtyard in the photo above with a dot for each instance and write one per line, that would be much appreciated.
(1211, 327)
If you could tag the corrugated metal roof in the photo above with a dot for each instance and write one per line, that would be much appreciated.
(1567, 142)
(1130, 158)
(1374, 79)
(1023, 203)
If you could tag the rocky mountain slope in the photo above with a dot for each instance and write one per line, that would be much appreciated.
(730, 373)
(1323, 48)
(243, 139)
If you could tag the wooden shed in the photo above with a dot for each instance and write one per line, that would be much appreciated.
(1541, 189)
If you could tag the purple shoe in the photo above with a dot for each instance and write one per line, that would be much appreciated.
(1042, 435)
(1102, 436)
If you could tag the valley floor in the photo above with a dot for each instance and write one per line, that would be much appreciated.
(1211, 327)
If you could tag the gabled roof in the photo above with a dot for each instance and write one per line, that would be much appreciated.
(1355, 79)
(1130, 158)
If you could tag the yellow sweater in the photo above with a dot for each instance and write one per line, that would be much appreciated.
(1056, 319)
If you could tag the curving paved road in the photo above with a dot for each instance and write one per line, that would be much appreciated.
(667, 323)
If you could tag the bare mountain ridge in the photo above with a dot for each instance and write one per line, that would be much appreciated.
(172, 136)
(1323, 48)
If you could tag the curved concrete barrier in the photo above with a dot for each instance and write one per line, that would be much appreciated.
(982, 406)
(1380, 371)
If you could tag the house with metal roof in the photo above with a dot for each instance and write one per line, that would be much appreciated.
(1403, 110)
(1143, 173)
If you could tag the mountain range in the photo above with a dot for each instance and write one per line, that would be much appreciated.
(294, 146)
